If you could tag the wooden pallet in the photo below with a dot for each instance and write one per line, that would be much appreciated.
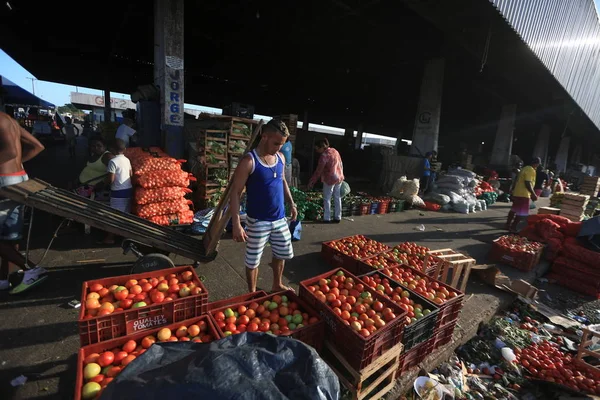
(445, 260)
(373, 381)
(583, 351)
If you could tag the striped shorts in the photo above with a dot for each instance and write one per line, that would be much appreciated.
(260, 232)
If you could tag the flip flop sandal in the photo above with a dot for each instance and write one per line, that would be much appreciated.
(23, 287)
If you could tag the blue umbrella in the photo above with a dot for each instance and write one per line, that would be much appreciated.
(13, 94)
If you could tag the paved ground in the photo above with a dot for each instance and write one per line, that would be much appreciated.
(39, 331)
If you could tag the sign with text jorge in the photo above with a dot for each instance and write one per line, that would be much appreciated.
(174, 91)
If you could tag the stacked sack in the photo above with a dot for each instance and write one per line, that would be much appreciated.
(407, 190)
(459, 185)
(160, 186)
(573, 265)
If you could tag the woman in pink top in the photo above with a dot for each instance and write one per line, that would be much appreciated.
(331, 172)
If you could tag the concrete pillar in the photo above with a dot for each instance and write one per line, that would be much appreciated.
(427, 121)
(168, 72)
(577, 153)
(359, 138)
(504, 136)
(541, 146)
(107, 111)
(562, 155)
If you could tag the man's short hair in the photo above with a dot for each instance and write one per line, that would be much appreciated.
(321, 142)
(277, 126)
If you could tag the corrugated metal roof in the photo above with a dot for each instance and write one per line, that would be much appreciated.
(565, 36)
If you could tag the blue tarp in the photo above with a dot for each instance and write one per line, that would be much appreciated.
(13, 94)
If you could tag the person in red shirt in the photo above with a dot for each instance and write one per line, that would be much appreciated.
(331, 172)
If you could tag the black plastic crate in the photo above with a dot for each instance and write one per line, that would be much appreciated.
(422, 330)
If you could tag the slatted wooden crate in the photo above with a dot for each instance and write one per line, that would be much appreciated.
(373, 381)
(451, 268)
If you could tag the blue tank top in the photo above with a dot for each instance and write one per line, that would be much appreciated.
(264, 189)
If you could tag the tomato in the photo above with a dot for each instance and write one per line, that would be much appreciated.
(129, 346)
(106, 358)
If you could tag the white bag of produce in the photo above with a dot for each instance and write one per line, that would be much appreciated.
(437, 198)
(462, 208)
(411, 188)
(416, 201)
(450, 179)
(451, 186)
(462, 172)
(398, 187)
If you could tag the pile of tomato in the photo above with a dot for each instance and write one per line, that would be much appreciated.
(379, 262)
(545, 361)
(423, 285)
(359, 247)
(413, 261)
(277, 315)
(99, 369)
(101, 300)
(400, 296)
(519, 244)
(352, 301)
(411, 248)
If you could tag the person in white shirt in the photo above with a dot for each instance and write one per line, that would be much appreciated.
(121, 189)
(125, 131)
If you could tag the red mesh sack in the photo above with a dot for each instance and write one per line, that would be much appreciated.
(429, 206)
(530, 233)
(548, 229)
(562, 221)
(164, 208)
(574, 250)
(553, 249)
(147, 196)
(180, 218)
(572, 229)
(157, 179)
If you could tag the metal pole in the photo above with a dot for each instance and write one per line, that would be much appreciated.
(32, 85)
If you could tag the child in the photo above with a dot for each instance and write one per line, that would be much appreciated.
(71, 136)
(119, 176)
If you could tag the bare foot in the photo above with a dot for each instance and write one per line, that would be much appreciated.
(282, 287)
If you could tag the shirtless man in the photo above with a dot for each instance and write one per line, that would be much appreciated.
(16, 147)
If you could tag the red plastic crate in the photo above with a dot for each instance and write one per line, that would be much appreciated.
(449, 310)
(363, 268)
(126, 322)
(520, 260)
(337, 259)
(421, 330)
(383, 207)
(235, 300)
(365, 208)
(443, 335)
(358, 350)
(415, 356)
(111, 344)
(313, 334)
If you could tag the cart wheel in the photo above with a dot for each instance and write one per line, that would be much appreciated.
(151, 262)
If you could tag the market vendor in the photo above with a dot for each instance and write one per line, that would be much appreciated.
(125, 131)
(523, 190)
(427, 171)
(261, 172)
(286, 150)
(17, 146)
(331, 172)
(94, 172)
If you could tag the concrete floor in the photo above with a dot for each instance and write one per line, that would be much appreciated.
(39, 331)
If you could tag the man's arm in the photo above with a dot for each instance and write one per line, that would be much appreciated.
(32, 147)
(77, 129)
(240, 176)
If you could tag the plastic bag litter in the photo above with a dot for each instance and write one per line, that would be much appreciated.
(246, 366)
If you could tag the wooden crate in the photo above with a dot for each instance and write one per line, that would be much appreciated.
(583, 351)
(373, 381)
(444, 261)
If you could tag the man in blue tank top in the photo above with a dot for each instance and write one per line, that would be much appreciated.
(262, 173)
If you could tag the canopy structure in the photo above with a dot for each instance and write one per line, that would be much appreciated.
(15, 95)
